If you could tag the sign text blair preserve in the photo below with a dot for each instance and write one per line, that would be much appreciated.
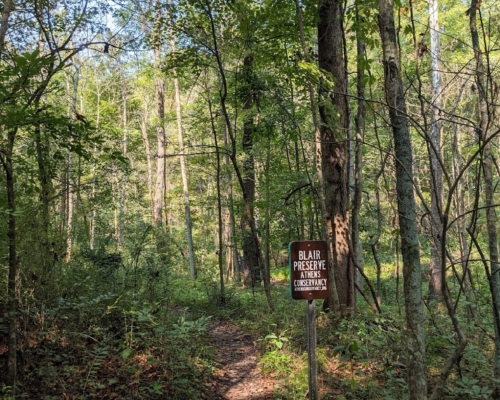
(308, 267)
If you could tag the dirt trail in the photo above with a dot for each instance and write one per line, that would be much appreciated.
(239, 377)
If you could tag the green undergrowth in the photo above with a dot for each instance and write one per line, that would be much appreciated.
(109, 338)
(140, 333)
(363, 357)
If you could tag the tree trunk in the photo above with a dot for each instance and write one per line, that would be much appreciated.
(415, 319)
(435, 155)
(6, 11)
(11, 314)
(69, 207)
(145, 140)
(251, 244)
(69, 192)
(185, 186)
(482, 77)
(122, 188)
(333, 294)
(94, 171)
(357, 245)
(158, 207)
(230, 210)
(219, 212)
(333, 109)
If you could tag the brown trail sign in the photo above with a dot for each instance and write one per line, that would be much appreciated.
(308, 270)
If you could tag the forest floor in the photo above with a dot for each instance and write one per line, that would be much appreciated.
(239, 376)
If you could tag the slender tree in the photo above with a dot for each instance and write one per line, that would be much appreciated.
(485, 119)
(396, 103)
(435, 153)
(183, 162)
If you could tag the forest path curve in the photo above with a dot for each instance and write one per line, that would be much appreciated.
(238, 377)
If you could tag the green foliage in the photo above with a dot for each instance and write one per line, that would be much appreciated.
(468, 389)
(110, 317)
(275, 341)
(188, 330)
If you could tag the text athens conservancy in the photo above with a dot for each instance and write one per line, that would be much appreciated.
(309, 264)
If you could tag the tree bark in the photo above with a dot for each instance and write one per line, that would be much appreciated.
(6, 11)
(435, 155)
(415, 319)
(11, 314)
(482, 78)
(333, 110)
(160, 142)
(185, 185)
(222, 297)
(358, 164)
(145, 140)
(251, 244)
(333, 299)
(69, 192)
(230, 211)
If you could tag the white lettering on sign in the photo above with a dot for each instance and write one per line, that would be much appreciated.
(309, 265)
(309, 270)
(309, 255)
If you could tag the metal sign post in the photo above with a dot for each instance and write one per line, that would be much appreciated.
(311, 350)
(309, 281)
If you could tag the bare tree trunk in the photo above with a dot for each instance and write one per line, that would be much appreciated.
(358, 158)
(412, 271)
(69, 212)
(122, 189)
(485, 117)
(94, 172)
(251, 244)
(70, 200)
(185, 186)
(333, 110)
(158, 207)
(11, 315)
(145, 140)
(460, 198)
(219, 211)
(232, 223)
(435, 155)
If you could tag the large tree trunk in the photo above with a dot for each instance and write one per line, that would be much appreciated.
(333, 300)
(415, 319)
(333, 109)
(488, 161)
